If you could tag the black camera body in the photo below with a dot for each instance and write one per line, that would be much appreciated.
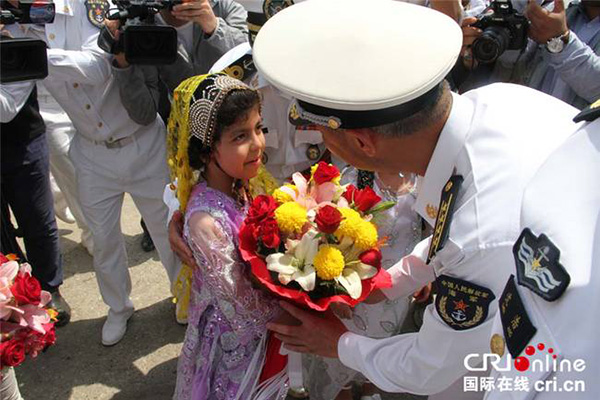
(24, 59)
(142, 41)
(503, 29)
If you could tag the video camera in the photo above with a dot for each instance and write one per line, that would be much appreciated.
(142, 41)
(503, 29)
(24, 59)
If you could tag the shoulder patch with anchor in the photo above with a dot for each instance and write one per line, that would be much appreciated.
(461, 304)
(516, 325)
(272, 7)
(538, 269)
(243, 68)
(444, 216)
(589, 113)
(96, 10)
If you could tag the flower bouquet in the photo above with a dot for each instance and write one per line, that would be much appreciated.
(314, 241)
(26, 325)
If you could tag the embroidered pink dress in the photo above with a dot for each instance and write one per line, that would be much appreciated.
(224, 347)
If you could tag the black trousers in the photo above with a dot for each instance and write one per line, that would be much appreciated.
(26, 189)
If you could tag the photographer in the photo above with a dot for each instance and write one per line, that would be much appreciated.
(112, 154)
(562, 57)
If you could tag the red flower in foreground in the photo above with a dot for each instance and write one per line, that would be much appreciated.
(12, 353)
(371, 257)
(328, 219)
(262, 207)
(26, 289)
(3, 259)
(364, 199)
(325, 173)
(269, 233)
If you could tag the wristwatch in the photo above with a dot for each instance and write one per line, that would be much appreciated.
(557, 44)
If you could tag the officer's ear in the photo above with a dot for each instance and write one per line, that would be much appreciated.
(365, 140)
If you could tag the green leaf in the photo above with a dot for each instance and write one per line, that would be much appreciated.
(382, 206)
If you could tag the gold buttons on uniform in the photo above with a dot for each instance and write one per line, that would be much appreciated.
(76, 85)
(87, 106)
(66, 9)
(51, 36)
(333, 124)
(431, 210)
(497, 344)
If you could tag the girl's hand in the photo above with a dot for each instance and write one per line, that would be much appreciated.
(342, 311)
(178, 245)
(198, 11)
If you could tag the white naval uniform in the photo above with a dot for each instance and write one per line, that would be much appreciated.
(80, 80)
(495, 137)
(562, 201)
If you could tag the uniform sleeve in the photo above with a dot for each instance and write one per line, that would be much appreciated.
(411, 273)
(578, 66)
(173, 74)
(139, 92)
(231, 30)
(88, 65)
(430, 360)
(13, 97)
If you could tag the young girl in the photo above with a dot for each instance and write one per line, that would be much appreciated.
(216, 124)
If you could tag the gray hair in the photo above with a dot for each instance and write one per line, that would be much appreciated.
(430, 113)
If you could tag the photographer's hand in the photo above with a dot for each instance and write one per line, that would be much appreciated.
(198, 11)
(470, 34)
(546, 25)
(113, 27)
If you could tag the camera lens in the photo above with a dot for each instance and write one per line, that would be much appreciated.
(148, 44)
(491, 44)
(22, 59)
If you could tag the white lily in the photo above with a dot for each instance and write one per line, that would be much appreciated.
(352, 276)
(297, 263)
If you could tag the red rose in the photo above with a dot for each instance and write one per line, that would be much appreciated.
(3, 259)
(366, 199)
(328, 219)
(50, 336)
(26, 289)
(350, 193)
(269, 233)
(371, 257)
(325, 173)
(262, 207)
(12, 353)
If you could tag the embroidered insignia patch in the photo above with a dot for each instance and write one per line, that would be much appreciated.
(272, 7)
(516, 324)
(461, 304)
(313, 153)
(538, 268)
(243, 68)
(444, 216)
(96, 10)
(589, 113)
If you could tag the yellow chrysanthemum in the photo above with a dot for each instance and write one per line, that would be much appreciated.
(282, 197)
(290, 217)
(362, 233)
(329, 263)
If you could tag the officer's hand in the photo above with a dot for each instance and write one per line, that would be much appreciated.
(546, 25)
(199, 11)
(113, 28)
(470, 34)
(178, 245)
(375, 297)
(423, 294)
(318, 333)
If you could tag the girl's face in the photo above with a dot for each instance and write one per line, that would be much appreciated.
(240, 148)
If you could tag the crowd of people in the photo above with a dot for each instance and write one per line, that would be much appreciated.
(494, 185)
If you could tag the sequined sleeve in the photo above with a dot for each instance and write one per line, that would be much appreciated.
(224, 274)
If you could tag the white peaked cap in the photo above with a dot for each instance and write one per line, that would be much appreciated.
(357, 55)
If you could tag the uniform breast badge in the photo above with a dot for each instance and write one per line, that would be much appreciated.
(313, 153)
(96, 10)
(538, 269)
(516, 324)
(462, 304)
(444, 216)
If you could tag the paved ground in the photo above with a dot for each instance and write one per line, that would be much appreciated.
(143, 365)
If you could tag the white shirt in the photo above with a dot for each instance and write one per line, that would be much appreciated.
(495, 137)
(562, 201)
(80, 77)
(13, 97)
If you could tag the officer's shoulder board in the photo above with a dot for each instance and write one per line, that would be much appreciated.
(243, 68)
(96, 11)
(589, 113)
(444, 216)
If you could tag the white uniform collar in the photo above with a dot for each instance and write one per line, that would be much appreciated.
(441, 165)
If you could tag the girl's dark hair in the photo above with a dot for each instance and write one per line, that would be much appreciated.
(235, 105)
